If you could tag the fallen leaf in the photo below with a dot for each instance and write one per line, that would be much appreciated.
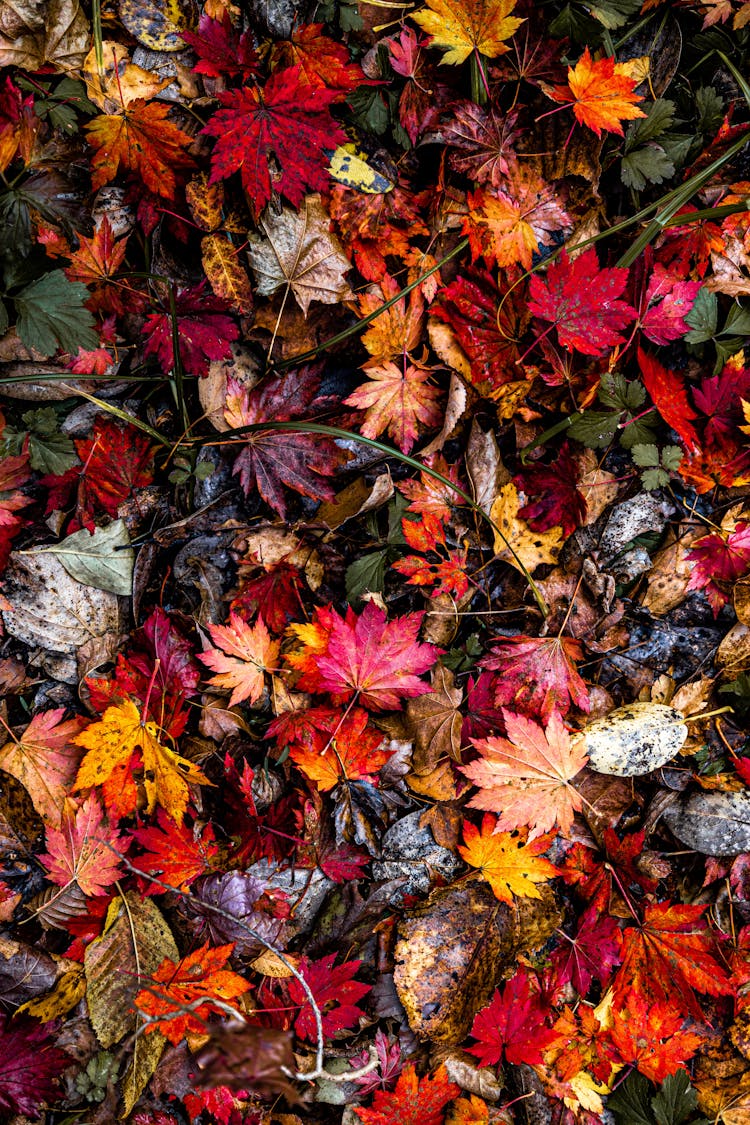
(462, 26)
(243, 655)
(601, 94)
(526, 776)
(512, 867)
(529, 548)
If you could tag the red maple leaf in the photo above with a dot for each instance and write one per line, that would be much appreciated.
(514, 1025)
(537, 675)
(488, 338)
(669, 396)
(323, 63)
(583, 302)
(378, 660)
(352, 750)
(14, 471)
(670, 956)
(84, 850)
(559, 502)
(591, 954)
(221, 51)
(175, 853)
(274, 458)
(273, 594)
(144, 141)
(720, 559)
(204, 331)
(668, 300)
(116, 459)
(336, 994)
(372, 226)
(654, 1037)
(596, 880)
(288, 119)
(413, 1102)
(30, 1065)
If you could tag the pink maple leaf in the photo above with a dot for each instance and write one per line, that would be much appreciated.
(84, 849)
(379, 660)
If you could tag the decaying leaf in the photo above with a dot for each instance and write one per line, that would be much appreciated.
(299, 254)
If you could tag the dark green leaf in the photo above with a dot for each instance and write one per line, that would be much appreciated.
(702, 317)
(618, 393)
(645, 129)
(614, 13)
(365, 575)
(595, 428)
(675, 1100)
(630, 1103)
(649, 164)
(737, 322)
(710, 107)
(645, 455)
(51, 315)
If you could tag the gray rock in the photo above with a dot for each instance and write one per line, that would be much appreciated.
(411, 853)
(634, 517)
(712, 823)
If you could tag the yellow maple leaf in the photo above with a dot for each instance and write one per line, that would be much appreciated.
(113, 741)
(510, 866)
(463, 26)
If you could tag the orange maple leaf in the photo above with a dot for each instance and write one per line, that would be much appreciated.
(177, 984)
(142, 140)
(600, 93)
(397, 400)
(414, 1101)
(670, 955)
(463, 26)
(44, 760)
(112, 745)
(244, 654)
(526, 776)
(508, 227)
(510, 866)
(655, 1038)
(355, 752)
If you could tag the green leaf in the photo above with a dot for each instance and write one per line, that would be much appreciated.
(630, 1103)
(614, 13)
(675, 1100)
(396, 511)
(49, 450)
(645, 455)
(365, 575)
(671, 456)
(104, 560)
(51, 315)
(710, 108)
(658, 120)
(654, 478)
(649, 164)
(573, 24)
(595, 429)
(618, 393)
(702, 317)
(737, 322)
(640, 432)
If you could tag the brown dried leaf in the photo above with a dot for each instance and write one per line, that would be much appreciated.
(225, 275)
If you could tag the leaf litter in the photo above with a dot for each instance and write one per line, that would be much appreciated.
(374, 475)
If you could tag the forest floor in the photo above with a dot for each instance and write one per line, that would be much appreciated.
(375, 550)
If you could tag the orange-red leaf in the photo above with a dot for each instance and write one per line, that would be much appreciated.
(243, 656)
(670, 956)
(398, 401)
(653, 1037)
(177, 984)
(414, 1101)
(84, 849)
(601, 94)
(356, 751)
(526, 776)
(141, 140)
